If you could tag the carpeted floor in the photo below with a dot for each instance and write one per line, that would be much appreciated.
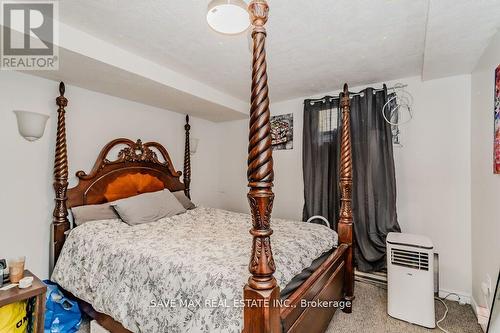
(369, 315)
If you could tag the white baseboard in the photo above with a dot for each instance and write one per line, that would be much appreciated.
(475, 305)
(456, 296)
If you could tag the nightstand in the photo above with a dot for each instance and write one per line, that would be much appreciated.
(37, 291)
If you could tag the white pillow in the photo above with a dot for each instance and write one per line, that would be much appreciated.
(148, 207)
(184, 200)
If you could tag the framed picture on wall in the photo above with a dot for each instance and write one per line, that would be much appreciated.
(282, 131)
(496, 145)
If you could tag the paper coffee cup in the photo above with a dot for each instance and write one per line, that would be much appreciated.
(16, 269)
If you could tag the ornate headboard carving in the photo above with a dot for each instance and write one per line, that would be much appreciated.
(136, 169)
(134, 161)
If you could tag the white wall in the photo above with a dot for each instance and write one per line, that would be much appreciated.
(93, 119)
(485, 185)
(432, 170)
(288, 182)
(433, 175)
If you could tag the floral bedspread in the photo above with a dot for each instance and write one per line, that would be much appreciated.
(179, 274)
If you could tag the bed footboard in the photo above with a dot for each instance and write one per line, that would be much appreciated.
(345, 227)
(335, 283)
(261, 293)
(311, 307)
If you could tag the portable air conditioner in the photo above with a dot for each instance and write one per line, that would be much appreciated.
(410, 278)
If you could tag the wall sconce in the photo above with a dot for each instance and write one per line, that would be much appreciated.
(193, 145)
(31, 125)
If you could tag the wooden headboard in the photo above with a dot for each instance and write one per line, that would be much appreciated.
(136, 168)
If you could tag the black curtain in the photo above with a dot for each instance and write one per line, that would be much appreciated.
(374, 188)
(320, 160)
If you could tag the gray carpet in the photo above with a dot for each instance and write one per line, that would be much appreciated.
(369, 315)
(85, 328)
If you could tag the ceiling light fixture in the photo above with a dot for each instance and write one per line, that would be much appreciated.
(228, 17)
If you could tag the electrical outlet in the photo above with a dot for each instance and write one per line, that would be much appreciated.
(488, 283)
(484, 289)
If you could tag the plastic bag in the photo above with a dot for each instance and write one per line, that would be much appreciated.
(65, 310)
(13, 318)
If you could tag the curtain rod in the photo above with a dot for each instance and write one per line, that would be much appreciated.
(353, 94)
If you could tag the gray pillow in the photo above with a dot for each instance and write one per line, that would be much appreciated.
(148, 207)
(83, 214)
(184, 200)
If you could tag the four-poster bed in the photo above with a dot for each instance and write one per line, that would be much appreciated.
(138, 163)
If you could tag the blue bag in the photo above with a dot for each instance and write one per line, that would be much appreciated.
(65, 310)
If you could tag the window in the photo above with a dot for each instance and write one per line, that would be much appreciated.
(328, 124)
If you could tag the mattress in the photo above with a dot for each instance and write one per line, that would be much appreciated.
(300, 278)
(180, 274)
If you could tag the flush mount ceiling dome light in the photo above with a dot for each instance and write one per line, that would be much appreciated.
(228, 16)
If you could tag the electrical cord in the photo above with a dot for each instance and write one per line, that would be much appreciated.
(445, 312)
(444, 316)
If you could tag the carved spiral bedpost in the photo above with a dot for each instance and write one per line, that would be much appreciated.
(187, 160)
(60, 223)
(262, 286)
(345, 227)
